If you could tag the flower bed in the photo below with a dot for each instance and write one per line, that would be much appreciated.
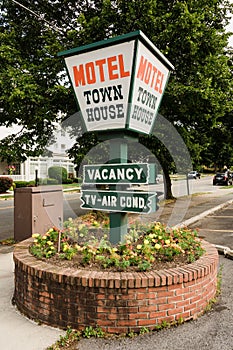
(118, 302)
(144, 248)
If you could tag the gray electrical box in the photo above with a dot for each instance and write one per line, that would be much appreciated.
(36, 209)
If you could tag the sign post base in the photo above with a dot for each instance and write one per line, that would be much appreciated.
(118, 227)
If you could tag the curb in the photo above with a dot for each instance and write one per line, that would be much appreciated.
(226, 251)
(202, 215)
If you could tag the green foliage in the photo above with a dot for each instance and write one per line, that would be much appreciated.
(48, 181)
(44, 246)
(68, 339)
(67, 181)
(89, 332)
(20, 184)
(8, 241)
(191, 34)
(58, 173)
(5, 184)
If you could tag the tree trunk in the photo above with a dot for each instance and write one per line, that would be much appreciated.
(167, 185)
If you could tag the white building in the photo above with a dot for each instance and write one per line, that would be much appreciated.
(26, 171)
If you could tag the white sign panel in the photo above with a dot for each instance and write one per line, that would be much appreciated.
(101, 82)
(150, 80)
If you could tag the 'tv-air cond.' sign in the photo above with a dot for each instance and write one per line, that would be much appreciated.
(118, 83)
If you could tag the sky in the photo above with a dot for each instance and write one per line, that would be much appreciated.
(8, 131)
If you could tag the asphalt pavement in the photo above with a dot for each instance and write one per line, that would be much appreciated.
(211, 331)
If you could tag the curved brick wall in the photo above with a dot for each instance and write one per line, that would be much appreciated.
(118, 302)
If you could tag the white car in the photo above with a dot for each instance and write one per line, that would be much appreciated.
(159, 178)
(194, 175)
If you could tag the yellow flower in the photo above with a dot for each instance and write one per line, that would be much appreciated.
(151, 235)
(157, 246)
(79, 248)
(167, 241)
(50, 243)
(44, 237)
(139, 246)
(114, 249)
(65, 247)
(146, 241)
(160, 237)
(35, 235)
(157, 227)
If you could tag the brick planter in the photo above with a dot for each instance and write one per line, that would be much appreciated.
(118, 302)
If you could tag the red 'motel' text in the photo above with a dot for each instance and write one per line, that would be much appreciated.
(150, 75)
(109, 68)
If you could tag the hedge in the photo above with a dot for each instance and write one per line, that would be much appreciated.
(59, 173)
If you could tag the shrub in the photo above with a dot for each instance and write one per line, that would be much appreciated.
(59, 173)
(19, 184)
(5, 184)
(48, 181)
(67, 181)
(78, 180)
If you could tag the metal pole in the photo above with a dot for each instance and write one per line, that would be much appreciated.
(36, 177)
(187, 180)
(118, 221)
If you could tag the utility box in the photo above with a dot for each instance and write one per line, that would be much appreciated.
(36, 209)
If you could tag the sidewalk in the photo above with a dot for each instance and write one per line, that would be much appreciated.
(17, 332)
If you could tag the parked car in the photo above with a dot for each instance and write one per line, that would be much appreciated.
(194, 175)
(222, 179)
(159, 178)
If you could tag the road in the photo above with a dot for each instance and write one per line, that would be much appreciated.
(217, 228)
(72, 201)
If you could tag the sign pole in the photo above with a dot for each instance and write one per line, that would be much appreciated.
(118, 151)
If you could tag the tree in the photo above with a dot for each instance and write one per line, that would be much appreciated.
(190, 33)
(31, 91)
(199, 94)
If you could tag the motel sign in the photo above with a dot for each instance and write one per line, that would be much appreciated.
(118, 84)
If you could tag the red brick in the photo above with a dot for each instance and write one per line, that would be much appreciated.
(158, 314)
(166, 307)
(148, 308)
(190, 307)
(165, 294)
(156, 301)
(116, 330)
(146, 323)
(127, 323)
(175, 311)
(184, 315)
